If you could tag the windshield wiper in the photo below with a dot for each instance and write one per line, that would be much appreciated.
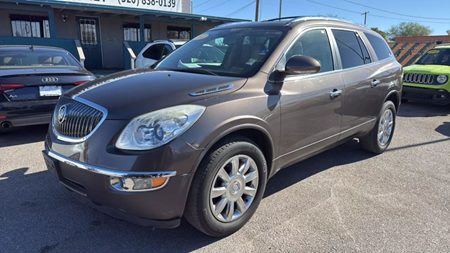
(195, 70)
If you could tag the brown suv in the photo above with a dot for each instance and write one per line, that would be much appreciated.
(199, 136)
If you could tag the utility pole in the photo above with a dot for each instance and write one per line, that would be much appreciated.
(257, 11)
(365, 17)
(281, 4)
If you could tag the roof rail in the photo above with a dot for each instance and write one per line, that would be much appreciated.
(296, 19)
(282, 18)
(301, 19)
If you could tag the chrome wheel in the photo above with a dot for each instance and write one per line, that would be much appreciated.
(385, 127)
(234, 188)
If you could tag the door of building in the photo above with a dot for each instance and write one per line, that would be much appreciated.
(90, 41)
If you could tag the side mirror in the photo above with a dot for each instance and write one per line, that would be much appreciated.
(300, 64)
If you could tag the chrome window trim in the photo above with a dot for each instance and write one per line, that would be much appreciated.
(105, 171)
(78, 140)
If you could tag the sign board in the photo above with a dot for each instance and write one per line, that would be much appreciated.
(158, 5)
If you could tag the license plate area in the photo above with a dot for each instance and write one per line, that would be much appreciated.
(50, 91)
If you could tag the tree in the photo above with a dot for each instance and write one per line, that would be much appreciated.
(382, 33)
(409, 29)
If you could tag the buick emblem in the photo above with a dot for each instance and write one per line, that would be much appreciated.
(62, 113)
(50, 79)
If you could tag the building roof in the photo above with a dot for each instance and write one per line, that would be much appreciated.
(125, 10)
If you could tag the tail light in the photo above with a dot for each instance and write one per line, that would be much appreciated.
(10, 86)
(80, 82)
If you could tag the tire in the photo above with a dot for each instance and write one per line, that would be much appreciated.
(200, 205)
(371, 142)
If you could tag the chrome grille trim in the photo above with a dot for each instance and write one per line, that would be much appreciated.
(420, 78)
(79, 126)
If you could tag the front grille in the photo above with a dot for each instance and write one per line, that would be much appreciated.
(420, 78)
(75, 120)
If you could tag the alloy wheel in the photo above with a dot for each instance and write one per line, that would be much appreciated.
(234, 188)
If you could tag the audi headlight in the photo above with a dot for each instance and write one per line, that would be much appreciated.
(157, 128)
(441, 79)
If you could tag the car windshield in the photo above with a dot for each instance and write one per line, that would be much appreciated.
(436, 57)
(36, 58)
(229, 52)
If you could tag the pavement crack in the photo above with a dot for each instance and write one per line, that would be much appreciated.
(340, 219)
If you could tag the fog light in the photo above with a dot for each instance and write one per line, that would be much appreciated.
(138, 183)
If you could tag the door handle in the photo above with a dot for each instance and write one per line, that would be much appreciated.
(335, 93)
(375, 83)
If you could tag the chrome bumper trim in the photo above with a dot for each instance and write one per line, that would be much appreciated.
(108, 172)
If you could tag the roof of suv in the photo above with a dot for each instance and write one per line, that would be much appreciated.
(285, 22)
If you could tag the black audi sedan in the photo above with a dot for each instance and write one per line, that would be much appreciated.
(31, 80)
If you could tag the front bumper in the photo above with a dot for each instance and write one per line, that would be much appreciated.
(433, 96)
(159, 208)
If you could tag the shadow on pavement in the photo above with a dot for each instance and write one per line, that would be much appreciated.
(347, 153)
(444, 129)
(422, 110)
(22, 135)
(38, 214)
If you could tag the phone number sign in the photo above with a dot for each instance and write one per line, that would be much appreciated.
(159, 5)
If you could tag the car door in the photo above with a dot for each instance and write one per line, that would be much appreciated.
(310, 104)
(357, 73)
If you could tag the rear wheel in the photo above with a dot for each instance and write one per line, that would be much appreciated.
(379, 138)
(227, 188)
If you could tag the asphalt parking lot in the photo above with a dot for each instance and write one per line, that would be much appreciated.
(343, 200)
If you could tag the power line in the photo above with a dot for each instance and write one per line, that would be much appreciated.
(374, 15)
(241, 8)
(215, 6)
(334, 7)
(393, 12)
(202, 3)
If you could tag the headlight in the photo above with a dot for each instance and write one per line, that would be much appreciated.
(157, 128)
(441, 79)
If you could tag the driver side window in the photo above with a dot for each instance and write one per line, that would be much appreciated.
(315, 44)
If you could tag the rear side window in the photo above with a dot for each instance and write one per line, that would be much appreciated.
(380, 46)
(156, 52)
(352, 50)
(314, 44)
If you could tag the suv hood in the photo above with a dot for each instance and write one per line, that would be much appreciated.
(132, 93)
(428, 69)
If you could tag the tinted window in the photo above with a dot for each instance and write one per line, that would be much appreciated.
(351, 48)
(156, 52)
(314, 44)
(380, 46)
(435, 57)
(36, 58)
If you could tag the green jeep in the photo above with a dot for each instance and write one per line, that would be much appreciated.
(428, 79)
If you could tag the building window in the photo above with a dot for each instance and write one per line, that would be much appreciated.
(30, 26)
(131, 32)
(147, 33)
(88, 30)
(180, 33)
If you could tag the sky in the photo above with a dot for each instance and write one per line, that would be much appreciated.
(382, 13)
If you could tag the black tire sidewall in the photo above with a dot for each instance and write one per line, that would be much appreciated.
(235, 148)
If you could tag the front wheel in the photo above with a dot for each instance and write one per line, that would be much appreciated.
(379, 138)
(227, 188)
